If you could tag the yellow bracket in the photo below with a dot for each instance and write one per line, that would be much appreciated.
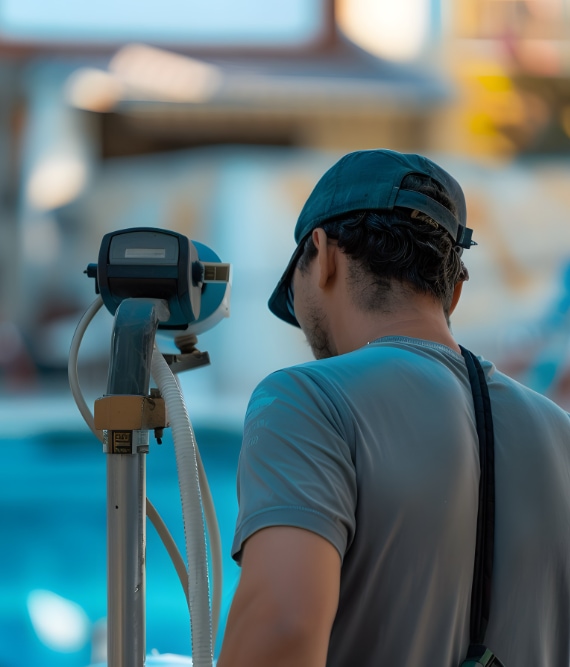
(130, 413)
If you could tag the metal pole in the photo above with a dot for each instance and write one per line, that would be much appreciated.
(134, 329)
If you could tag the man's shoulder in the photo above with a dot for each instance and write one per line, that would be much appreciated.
(286, 385)
(381, 362)
(510, 393)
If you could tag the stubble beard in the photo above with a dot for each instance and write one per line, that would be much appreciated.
(317, 335)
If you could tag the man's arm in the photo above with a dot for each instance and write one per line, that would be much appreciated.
(285, 603)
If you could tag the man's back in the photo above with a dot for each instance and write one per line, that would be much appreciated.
(379, 449)
(530, 612)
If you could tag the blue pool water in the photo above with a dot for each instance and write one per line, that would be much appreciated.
(53, 538)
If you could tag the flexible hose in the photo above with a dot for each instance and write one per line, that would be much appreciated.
(215, 546)
(214, 536)
(194, 529)
(72, 373)
(169, 544)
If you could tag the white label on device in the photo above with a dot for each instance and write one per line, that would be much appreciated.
(145, 253)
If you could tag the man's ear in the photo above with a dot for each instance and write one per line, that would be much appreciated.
(326, 257)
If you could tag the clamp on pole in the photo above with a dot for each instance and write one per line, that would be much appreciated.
(122, 414)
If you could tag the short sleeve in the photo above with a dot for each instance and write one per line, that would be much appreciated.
(295, 466)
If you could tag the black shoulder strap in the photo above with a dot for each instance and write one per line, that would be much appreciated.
(483, 572)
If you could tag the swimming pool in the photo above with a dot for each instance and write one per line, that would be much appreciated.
(53, 536)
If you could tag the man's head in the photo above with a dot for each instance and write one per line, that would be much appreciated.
(397, 216)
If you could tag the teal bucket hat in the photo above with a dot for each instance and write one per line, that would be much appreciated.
(371, 180)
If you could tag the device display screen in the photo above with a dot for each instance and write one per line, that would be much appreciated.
(144, 248)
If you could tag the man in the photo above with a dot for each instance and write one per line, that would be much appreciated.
(358, 477)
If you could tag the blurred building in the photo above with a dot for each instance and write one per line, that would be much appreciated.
(219, 126)
(98, 120)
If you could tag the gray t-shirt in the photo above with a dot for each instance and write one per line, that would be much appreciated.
(377, 452)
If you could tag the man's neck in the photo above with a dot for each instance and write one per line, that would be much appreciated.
(421, 317)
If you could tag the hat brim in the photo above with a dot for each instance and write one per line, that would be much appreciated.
(280, 303)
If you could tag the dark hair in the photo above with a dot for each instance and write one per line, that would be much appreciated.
(400, 245)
